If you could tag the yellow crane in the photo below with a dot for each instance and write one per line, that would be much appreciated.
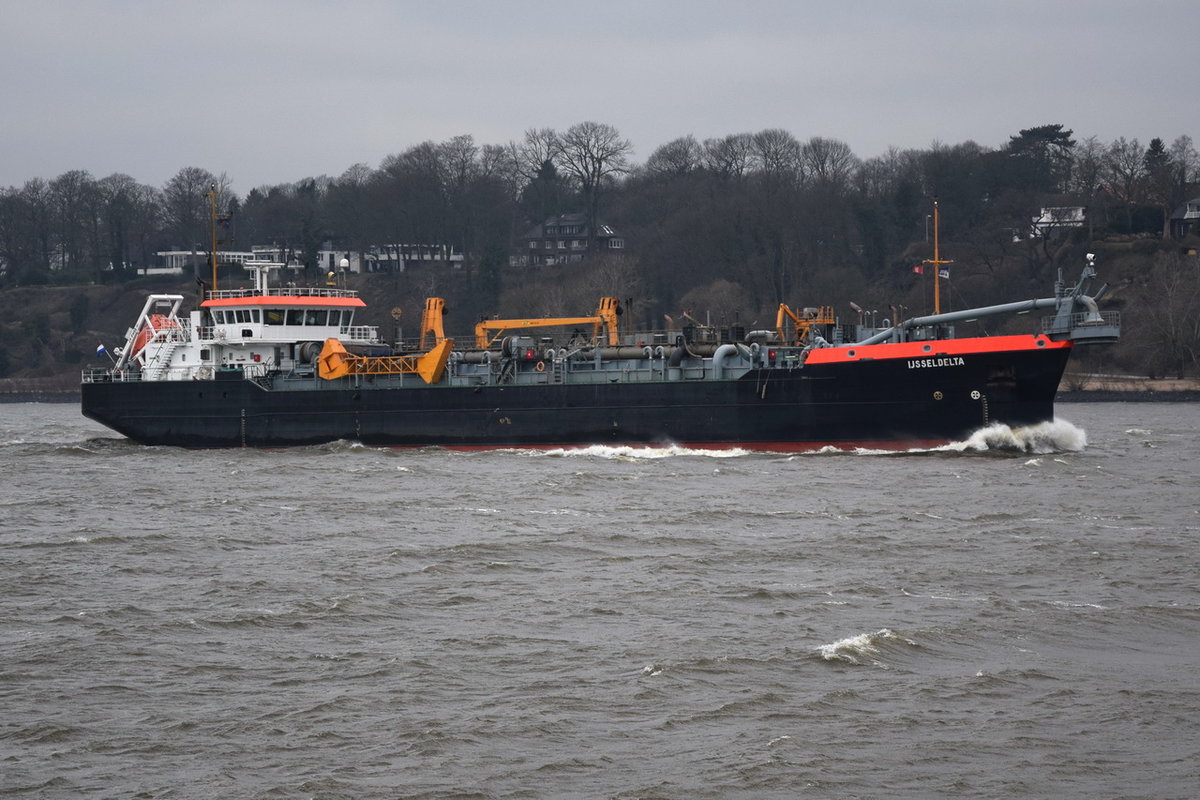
(605, 317)
(431, 320)
(803, 321)
(336, 362)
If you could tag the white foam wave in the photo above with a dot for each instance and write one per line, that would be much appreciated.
(1058, 436)
(860, 649)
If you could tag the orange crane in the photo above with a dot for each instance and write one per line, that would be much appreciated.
(822, 315)
(605, 317)
(431, 320)
(335, 362)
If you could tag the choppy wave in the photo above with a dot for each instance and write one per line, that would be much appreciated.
(655, 627)
(863, 649)
(1043, 438)
(1058, 436)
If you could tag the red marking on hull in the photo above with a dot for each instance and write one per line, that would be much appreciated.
(756, 447)
(940, 347)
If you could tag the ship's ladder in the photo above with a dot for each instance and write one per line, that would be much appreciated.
(158, 365)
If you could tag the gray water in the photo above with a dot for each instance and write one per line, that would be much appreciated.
(1014, 617)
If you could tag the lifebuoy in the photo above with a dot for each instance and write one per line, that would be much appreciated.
(540, 366)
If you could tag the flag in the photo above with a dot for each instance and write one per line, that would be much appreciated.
(919, 269)
(944, 273)
(101, 349)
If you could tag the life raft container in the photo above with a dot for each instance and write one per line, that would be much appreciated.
(153, 325)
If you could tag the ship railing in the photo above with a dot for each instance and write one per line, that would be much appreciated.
(251, 371)
(280, 291)
(180, 332)
(105, 375)
(1079, 320)
(1086, 327)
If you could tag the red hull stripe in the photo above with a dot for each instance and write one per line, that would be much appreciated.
(941, 347)
(259, 300)
(764, 447)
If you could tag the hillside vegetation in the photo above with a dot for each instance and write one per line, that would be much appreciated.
(726, 228)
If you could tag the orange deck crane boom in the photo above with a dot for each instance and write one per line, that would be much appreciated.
(605, 317)
(803, 322)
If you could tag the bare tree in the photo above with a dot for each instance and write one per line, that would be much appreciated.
(26, 232)
(721, 302)
(729, 156)
(348, 205)
(1185, 169)
(1124, 168)
(880, 176)
(1088, 167)
(1168, 329)
(593, 153)
(1087, 176)
(500, 162)
(186, 208)
(1186, 160)
(75, 211)
(460, 159)
(539, 146)
(828, 160)
(118, 197)
(777, 153)
(677, 157)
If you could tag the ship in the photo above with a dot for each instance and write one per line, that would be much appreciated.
(278, 365)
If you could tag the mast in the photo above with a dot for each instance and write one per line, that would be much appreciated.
(212, 230)
(937, 263)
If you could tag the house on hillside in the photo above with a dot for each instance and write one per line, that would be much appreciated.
(562, 240)
(1184, 219)
(194, 262)
(1056, 220)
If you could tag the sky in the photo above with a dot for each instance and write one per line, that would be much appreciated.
(274, 91)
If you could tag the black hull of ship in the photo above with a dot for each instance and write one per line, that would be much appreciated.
(888, 402)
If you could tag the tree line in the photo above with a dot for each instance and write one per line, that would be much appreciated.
(734, 224)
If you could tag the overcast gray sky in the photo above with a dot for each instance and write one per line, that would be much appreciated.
(270, 91)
